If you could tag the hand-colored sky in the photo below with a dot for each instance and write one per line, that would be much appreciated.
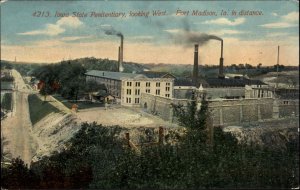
(247, 39)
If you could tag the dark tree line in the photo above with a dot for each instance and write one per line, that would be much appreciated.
(66, 79)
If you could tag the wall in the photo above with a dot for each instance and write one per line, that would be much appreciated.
(288, 107)
(224, 112)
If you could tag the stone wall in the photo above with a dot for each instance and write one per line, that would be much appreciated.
(224, 112)
(288, 108)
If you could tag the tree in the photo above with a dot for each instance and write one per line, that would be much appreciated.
(259, 66)
(18, 176)
(46, 90)
(190, 116)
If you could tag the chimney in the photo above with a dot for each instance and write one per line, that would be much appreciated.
(195, 70)
(121, 55)
(221, 69)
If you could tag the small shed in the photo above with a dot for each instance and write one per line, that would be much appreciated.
(103, 96)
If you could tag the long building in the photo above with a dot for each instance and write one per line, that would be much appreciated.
(127, 88)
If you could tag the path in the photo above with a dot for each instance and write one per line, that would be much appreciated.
(16, 128)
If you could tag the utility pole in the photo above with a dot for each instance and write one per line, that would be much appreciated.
(277, 67)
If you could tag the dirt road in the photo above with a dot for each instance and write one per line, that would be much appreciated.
(17, 127)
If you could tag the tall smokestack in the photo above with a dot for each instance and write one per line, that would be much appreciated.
(221, 68)
(121, 54)
(196, 69)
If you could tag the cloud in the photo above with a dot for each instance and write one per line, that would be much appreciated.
(226, 31)
(292, 17)
(174, 31)
(277, 34)
(218, 33)
(3, 1)
(286, 21)
(225, 21)
(278, 25)
(274, 14)
(74, 38)
(54, 29)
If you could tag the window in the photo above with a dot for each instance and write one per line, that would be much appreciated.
(167, 88)
(137, 100)
(167, 84)
(147, 84)
(157, 92)
(128, 91)
(286, 102)
(158, 84)
(137, 83)
(147, 90)
(167, 95)
(129, 100)
(128, 83)
(137, 91)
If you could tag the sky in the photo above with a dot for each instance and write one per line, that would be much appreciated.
(49, 38)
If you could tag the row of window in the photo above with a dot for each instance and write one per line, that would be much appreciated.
(136, 100)
(137, 92)
(148, 84)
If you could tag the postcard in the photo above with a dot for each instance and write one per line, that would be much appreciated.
(149, 94)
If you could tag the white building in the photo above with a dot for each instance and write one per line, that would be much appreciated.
(128, 87)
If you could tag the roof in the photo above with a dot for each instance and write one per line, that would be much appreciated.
(155, 74)
(183, 82)
(119, 75)
(189, 82)
(232, 82)
(112, 75)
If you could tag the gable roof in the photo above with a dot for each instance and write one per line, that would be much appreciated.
(155, 74)
(112, 75)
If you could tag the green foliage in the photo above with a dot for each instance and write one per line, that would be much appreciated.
(97, 159)
(189, 117)
(39, 109)
(18, 176)
(6, 102)
(93, 86)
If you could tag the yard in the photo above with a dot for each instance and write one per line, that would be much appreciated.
(39, 109)
(81, 104)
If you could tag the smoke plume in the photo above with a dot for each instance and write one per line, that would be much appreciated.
(187, 37)
(111, 31)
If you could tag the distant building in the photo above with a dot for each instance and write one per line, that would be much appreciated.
(223, 88)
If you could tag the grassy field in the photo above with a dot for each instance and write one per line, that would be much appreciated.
(81, 104)
(6, 101)
(39, 109)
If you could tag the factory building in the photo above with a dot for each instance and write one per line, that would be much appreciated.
(127, 88)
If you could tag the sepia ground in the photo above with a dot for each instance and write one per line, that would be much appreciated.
(16, 128)
(124, 117)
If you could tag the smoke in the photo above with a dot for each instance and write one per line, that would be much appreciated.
(187, 37)
(109, 30)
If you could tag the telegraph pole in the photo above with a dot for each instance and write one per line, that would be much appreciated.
(277, 67)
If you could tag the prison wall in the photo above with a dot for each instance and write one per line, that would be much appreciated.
(225, 111)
